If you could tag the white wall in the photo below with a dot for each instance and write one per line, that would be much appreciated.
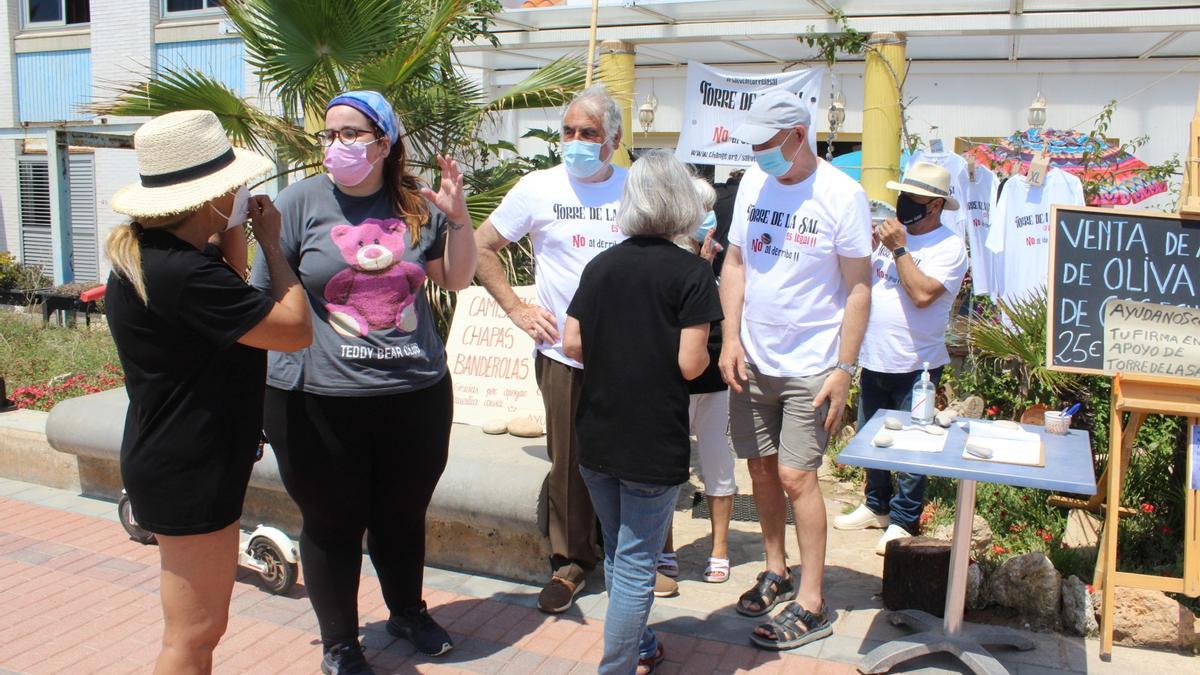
(9, 215)
(977, 99)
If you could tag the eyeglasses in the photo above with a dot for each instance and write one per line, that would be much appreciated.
(347, 135)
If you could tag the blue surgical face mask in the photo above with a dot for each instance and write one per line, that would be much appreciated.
(706, 225)
(582, 159)
(771, 161)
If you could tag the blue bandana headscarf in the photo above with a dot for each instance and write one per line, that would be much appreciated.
(375, 107)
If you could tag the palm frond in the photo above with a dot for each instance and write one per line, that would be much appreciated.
(550, 86)
(307, 52)
(172, 90)
(482, 204)
(397, 66)
(1019, 339)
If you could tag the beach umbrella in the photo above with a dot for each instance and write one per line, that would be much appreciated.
(1120, 175)
(851, 163)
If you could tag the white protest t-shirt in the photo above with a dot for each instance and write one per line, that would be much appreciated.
(900, 335)
(1020, 232)
(957, 166)
(791, 237)
(569, 222)
(981, 197)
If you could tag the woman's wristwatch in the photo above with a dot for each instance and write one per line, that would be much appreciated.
(848, 368)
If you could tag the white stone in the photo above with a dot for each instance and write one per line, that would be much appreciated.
(1078, 615)
(1029, 584)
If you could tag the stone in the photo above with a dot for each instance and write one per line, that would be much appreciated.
(882, 440)
(981, 535)
(1030, 585)
(1083, 529)
(845, 435)
(934, 430)
(1148, 618)
(915, 571)
(495, 427)
(892, 423)
(945, 418)
(976, 588)
(525, 427)
(1078, 614)
(971, 407)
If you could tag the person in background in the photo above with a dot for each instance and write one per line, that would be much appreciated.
(708, 416)
(192, 338)
(796, 293)
(918, 265)
(360, 421)
(569, 214)
(632, 419)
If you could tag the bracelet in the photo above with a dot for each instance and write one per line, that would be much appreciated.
(455, 226)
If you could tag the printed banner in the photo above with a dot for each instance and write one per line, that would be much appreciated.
(491, 361)
(717, 103)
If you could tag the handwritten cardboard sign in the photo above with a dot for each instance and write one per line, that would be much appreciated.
(1151, 339)
(491, 361)
(1101, 255)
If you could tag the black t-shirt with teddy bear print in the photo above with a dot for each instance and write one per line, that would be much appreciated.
(373, 331)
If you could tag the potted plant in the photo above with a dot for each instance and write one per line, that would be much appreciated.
(19, 282)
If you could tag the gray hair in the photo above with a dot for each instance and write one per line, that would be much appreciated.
(601, 106)
(706, 193)
(659, 200)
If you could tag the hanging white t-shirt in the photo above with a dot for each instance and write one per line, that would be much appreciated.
(900, 335)
(791, 237)
(981, 197)
(1020, 232)
(569, 222)
(957, 166)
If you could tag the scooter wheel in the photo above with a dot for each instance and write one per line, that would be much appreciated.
(135, 531)
(278, 574)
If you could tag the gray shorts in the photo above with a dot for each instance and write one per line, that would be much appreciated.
(775, 415)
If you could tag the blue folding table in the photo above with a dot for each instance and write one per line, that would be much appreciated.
(1068, 468)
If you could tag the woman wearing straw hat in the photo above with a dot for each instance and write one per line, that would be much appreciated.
(192, 337)
(360, 421)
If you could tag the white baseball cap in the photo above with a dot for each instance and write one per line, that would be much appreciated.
(771, 111)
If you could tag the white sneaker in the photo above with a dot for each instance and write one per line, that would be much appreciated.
(861, 518)
(893, 532)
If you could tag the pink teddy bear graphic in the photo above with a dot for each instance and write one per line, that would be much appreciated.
(377, 290)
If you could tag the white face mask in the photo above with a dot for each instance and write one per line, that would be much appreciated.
(240, 211)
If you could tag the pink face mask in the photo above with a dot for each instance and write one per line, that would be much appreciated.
(348, 164)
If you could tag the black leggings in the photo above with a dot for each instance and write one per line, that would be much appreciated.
(355, 464)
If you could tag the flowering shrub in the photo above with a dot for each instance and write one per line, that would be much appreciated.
(44, 396)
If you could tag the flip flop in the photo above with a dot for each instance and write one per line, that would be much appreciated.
(717, 571)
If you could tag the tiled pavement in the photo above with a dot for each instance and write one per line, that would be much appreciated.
(76, 596)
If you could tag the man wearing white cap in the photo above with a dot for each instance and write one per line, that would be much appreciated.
(919, 266)
(796, 296)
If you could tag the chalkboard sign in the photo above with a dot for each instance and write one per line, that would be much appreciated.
(1101, 254)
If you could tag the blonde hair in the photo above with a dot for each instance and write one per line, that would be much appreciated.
(124, 249)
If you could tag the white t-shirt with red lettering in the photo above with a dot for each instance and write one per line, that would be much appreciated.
(1020, 234)
(568, 222)
(791, 237)
(900, 335)
(981, 197)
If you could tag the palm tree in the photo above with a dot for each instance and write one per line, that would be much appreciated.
(306, 51)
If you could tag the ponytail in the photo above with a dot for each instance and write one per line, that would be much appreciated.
(124, 250)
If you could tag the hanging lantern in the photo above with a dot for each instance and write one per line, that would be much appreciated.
(837, 112)
(1037, 112)
(646, 113)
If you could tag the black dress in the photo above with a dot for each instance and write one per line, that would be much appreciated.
(195, 394)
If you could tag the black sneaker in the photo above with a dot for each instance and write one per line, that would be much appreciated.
(418, 627)
(345, 658)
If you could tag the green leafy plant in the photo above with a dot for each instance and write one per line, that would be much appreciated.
(18, 276)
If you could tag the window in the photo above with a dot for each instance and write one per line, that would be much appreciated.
(56, 12)
(179, 6)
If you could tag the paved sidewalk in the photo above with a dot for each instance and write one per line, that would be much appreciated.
(76, 596)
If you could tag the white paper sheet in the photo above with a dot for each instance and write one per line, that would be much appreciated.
(1008, 446)
(916, 439)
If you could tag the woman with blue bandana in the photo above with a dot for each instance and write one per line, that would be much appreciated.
(360, 421)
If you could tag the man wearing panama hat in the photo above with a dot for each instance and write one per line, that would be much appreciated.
(918, 267)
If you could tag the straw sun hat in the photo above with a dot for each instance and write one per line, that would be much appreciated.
(185, 159)
(928, 180)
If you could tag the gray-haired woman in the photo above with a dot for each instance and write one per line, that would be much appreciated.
(639, 323)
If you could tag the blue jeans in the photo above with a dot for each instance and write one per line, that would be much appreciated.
(893, 391)
(634, 518)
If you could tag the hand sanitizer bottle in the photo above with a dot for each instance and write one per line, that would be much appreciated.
(923, 398)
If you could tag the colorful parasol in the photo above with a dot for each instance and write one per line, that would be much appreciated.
(1120, 176)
